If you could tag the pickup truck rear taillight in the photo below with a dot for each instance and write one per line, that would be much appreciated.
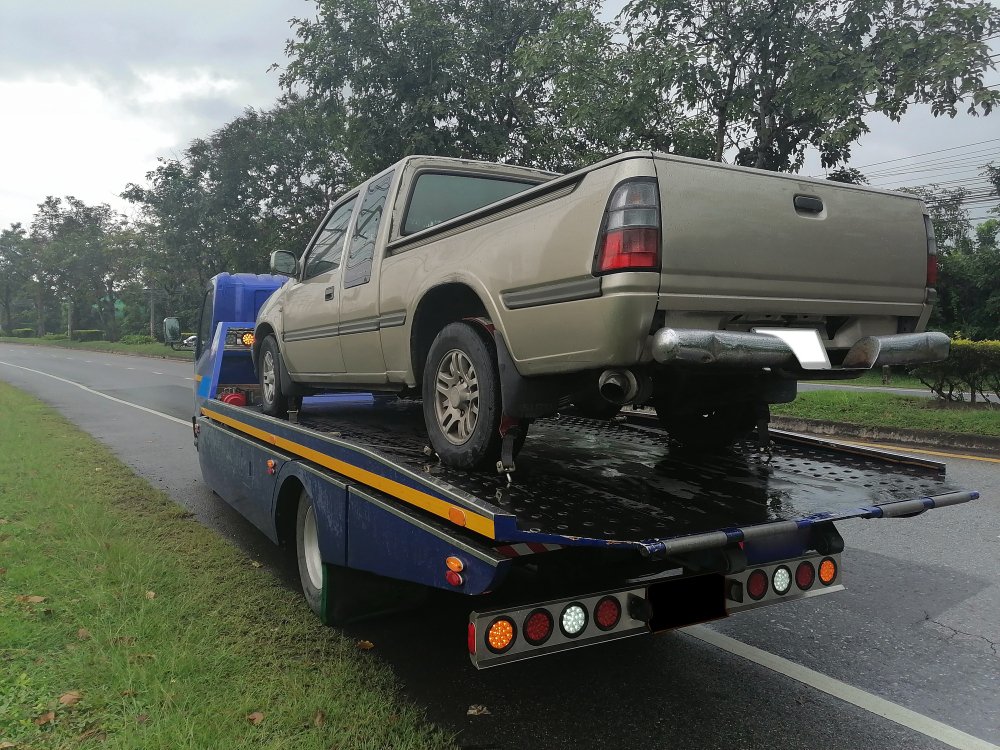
(932, 260)
(630, 234)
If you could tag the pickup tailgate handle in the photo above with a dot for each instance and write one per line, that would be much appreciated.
(808, 203)
(328, 293)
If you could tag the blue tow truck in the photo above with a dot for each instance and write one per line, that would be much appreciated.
(604, 531)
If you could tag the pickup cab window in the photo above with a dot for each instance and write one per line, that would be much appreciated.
(358, 269)
(325, 254)
(438, 197)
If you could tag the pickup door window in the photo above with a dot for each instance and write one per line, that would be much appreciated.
(439, 197)
(358, 268)
(325, 254)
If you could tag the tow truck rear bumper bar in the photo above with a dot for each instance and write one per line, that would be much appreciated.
(788, 347)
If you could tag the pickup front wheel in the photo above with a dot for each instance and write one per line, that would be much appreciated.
(273, 400)
(461, 392)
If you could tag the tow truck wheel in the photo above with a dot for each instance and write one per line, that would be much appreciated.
(461, 392)
(273, 400)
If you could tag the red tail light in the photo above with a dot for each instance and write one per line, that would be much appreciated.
(607, 613)
(932, 271)
(757, 584)
(805, 574)
(630, 235)
(538, 627)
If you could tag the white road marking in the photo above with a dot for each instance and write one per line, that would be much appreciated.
(157, 373)
(102, 395)
(856, 696)
(129, 368)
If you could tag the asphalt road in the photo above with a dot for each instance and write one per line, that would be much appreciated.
(919, 625)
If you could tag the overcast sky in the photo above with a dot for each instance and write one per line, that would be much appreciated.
(93, 92)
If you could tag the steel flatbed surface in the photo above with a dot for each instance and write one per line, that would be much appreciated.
(583, 482)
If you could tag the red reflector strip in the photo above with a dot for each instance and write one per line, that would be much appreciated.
(472, 638)
(636, 248)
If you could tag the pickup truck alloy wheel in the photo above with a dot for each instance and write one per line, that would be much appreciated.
(273, 400)
(461, 393)
(457, 401)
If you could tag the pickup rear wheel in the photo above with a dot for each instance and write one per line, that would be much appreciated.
(719, 428)
(273, 400)
(461, 392)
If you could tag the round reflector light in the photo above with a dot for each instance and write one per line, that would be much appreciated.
(607, 613)
(827, 571)
(757, 584)
(537, 627)
(805, 575)
(573, 620)
(781, 579)
(500, 635)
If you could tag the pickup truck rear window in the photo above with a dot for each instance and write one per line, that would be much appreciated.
(439, 197)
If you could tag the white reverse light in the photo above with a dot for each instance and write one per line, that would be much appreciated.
(782, 580)
(573, 620)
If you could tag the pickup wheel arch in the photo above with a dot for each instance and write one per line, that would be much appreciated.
(439, 306)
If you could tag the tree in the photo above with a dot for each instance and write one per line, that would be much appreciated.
(969, 286)
(848, 175)
(13, 246)
(775, 77)
(470, 78)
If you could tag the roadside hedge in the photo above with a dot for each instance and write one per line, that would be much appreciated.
(137, 338)
(972, 368)
(54, 337)
(88, 334)
(23, 333)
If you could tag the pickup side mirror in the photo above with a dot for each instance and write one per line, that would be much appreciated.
(171, 330)
(284, 263)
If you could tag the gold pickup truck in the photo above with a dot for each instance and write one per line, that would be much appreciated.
(501, 294)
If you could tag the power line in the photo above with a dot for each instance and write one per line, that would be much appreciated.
(928, 153)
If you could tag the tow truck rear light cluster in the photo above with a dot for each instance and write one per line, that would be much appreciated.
(239, 338)
(630, 234)
(789, 579)
(499, 637)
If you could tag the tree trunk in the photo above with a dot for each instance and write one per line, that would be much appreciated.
(40, 310)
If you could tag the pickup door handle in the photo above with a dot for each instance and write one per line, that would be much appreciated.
(809, 204)
(328, 293)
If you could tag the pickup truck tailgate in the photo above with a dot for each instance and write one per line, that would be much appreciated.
(730, 232)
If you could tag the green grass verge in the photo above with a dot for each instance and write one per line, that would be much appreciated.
(874, 380)
(153, 631)
(887, 410)
(149, 350)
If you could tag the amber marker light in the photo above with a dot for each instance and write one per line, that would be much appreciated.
(500, 635)
(455, 564)
(827, 571)
(247, 339)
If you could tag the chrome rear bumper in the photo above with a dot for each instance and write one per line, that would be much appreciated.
(737, 349)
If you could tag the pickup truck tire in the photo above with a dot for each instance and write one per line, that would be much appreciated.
(461, 394)
(272, 399)
(710, 431)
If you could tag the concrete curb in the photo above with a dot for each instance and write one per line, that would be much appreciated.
(902, 436)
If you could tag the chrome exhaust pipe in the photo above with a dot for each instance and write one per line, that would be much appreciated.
(618, 386)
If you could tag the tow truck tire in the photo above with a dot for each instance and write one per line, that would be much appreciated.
(461, 394)
(273, 399)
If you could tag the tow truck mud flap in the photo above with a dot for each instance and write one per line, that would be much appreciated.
(675, 601)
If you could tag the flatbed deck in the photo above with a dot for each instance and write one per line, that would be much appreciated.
(588, 483)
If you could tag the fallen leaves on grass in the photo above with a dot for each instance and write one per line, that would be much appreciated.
(476, 710)
(320, 718)
(3, 572)
(29, 599)
(83, 634)
(71, 698)
(7, 745)
(142, 718)
(94, 733)
(47, 718)
(150, 594)
(256, 564)
(366, 645)
(255, 718)
(4, 522)
(124, 640)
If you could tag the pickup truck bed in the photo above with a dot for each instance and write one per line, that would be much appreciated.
(581, 482)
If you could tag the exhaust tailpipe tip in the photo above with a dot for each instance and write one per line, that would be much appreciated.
(618, 386)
